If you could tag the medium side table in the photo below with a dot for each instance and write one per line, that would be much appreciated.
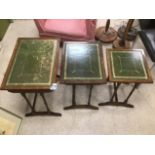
(32, 69)
(82, 64)
(126, 66)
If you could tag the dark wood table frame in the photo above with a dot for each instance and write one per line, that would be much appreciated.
(75, 82)
(36, 89)
(33, 105)
(114, 101)
(74, 104)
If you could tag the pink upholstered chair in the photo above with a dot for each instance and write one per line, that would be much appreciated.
(67, 29)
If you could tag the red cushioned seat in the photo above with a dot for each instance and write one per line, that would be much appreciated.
(67, 29)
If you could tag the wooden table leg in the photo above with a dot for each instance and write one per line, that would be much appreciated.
(131, 92)
(32, 106)
(76, 106)
(115, 102)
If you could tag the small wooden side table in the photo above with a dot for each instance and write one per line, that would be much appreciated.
(32, 69)
(82, 64)
(126, 66)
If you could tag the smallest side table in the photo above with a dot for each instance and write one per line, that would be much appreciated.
(82, 64)
(126, 66)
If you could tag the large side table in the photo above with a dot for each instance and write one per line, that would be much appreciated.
(126, 66)
(82, 64)
(32, 69)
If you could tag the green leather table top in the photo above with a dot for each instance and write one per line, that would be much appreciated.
(83, 63)
(33, 63)
(127, 65)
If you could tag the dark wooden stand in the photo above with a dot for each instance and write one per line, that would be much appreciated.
(131, 36)
(106, 33)
(114, 99)
(123, 42)
(75, 106)
(32, 106)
